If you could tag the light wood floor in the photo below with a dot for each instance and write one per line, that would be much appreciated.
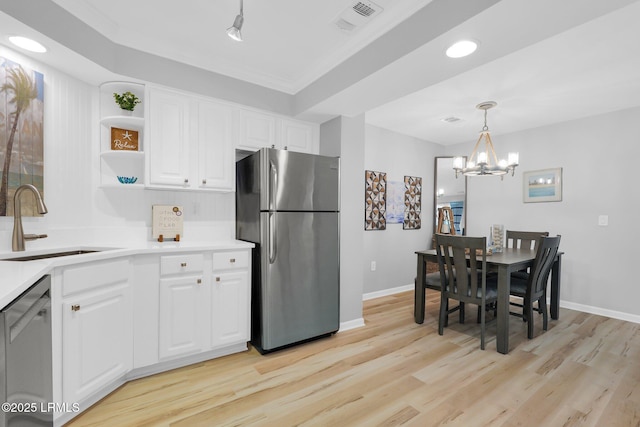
(585, 370)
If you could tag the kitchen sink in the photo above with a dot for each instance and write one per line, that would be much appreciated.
(50, 255)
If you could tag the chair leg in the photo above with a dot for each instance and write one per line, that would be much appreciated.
(444, 313)
(542, 305)
(461, 314)
(483, 315)
(529, 310)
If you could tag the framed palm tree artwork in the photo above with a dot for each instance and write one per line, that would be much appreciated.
(21, 134)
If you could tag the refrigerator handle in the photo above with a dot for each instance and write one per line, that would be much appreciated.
(273, 186)
(273, 183)
(273, 248)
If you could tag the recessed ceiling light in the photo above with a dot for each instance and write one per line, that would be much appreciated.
(28, 44)
(461, 49)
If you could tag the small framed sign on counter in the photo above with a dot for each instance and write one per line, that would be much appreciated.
(167, 222)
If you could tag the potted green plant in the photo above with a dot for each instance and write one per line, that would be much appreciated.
(127, 100)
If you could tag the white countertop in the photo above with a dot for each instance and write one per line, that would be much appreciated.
(18, 276)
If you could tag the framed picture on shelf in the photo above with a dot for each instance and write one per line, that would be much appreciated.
(124, 139)
(542, 185)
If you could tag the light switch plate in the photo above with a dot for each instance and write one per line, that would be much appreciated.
(603, 220)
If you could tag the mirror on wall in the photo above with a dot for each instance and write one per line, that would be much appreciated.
(450, 198)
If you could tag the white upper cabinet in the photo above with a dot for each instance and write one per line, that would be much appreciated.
(168, 138)
(258, 130)
(190, 142)
(299, 136)
(215, 145)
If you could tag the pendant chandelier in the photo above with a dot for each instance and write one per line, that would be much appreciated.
(485, 162)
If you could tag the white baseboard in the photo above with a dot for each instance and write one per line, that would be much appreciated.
(351, 324)
(387, 292)
(634, 318)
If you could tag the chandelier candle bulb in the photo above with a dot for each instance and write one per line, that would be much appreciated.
(458, 162)
(513, 159)
(482, 157)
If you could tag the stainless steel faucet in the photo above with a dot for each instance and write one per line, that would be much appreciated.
(17, 241)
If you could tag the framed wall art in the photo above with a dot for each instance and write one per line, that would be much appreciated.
(21, 134)
(375, 200)
(412, 203)
(543, 185)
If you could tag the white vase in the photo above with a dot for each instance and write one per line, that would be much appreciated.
(126, 112)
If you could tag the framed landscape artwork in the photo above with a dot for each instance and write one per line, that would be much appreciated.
(542, 185)
(21, 134)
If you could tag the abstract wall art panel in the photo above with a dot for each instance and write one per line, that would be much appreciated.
(375, 193)
(412, 202)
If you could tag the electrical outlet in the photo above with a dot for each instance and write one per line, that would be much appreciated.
(373, 266)
(603, 220)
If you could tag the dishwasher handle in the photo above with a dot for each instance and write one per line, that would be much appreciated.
(28, 315)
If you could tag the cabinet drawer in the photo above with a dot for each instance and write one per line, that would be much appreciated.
(94, 275)
(230, 260)
(175, 264)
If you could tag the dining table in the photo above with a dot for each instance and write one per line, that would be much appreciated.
(504, 263)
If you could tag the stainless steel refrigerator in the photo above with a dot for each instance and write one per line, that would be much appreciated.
(287, 203)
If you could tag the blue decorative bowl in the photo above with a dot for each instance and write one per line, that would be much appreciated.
(127, 180)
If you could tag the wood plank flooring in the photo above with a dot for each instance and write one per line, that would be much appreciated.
(585, 370)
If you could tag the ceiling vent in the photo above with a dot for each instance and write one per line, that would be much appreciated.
(356, 15)
(451, 119)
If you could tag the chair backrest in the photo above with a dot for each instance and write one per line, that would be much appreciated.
(524, 239)
(545, 256)
(468, 275)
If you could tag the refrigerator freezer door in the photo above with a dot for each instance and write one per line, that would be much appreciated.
(300, 288)
(298, 182)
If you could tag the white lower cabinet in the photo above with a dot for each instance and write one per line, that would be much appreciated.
(182, 316)
(97, 345)
(230, 311)
(129, 317)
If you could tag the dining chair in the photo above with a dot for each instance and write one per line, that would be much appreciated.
(533, 286)
(434, 282)
(465, 279)
(523, 239)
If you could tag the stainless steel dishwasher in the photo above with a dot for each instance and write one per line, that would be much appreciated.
(26, 387)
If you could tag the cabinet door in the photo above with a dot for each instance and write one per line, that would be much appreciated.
(298, 136)
(230, 308)
(257, 130)
(215, 146)
(168, 145)
(97, 341)
(183, 307)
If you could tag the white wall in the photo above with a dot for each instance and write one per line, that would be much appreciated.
(599, 157)
(393, 249)
(79, 211)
